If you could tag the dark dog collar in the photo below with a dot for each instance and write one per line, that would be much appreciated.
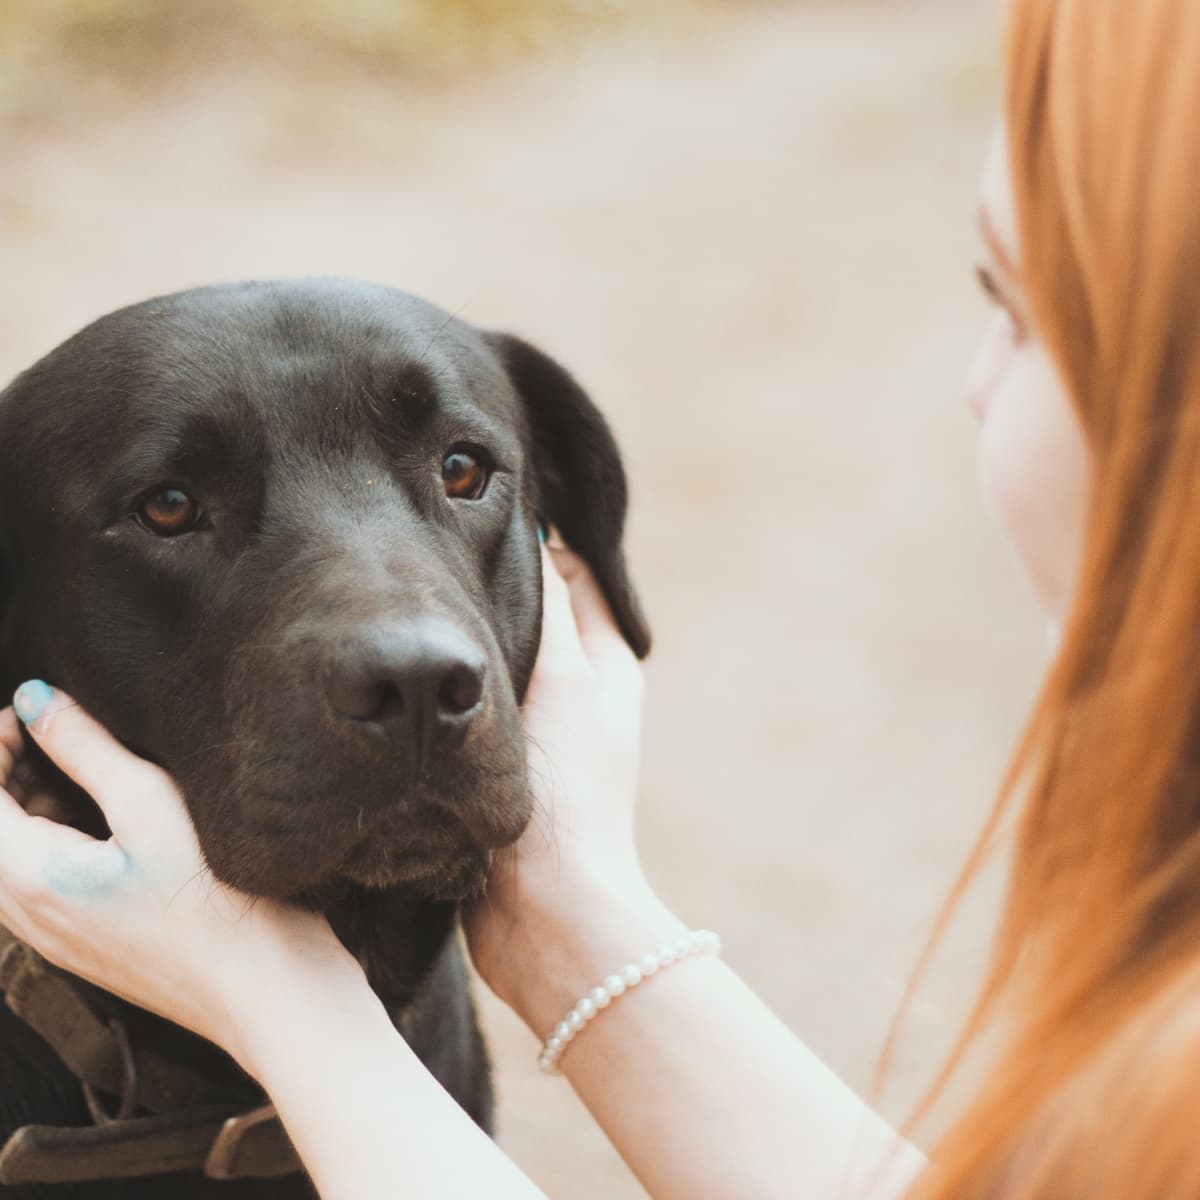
(195, 1123)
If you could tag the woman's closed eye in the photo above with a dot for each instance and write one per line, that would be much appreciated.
(998, 297)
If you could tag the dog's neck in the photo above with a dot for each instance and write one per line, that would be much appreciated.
(396, 937)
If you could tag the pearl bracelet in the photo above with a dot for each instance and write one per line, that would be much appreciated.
(697, 941)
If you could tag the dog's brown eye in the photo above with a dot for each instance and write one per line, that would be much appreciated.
(169, 512)
(463, 476)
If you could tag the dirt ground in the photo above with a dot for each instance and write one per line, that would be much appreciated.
(752, 241)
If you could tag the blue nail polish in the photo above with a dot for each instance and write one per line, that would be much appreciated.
(31, 699)
(541, 534)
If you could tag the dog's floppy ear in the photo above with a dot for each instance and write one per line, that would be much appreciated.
(580, 478)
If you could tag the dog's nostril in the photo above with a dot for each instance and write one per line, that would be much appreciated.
(389, 702)
(461, 690)
(424, 682)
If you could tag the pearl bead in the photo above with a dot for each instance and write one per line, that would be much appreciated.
(695, 942)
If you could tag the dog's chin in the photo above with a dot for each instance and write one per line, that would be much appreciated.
(450, 877)
(451, 873)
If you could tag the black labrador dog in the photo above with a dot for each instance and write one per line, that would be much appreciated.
(281, 538)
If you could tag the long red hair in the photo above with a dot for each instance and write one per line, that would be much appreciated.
(1094, 982)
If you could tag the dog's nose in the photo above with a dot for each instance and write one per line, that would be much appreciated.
(422, 681)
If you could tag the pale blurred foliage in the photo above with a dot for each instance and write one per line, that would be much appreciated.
(98, 46)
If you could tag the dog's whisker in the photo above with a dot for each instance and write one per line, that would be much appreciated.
(235, 744)
(249, 905)
(186, 883)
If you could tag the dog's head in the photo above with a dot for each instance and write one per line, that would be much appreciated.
(282, 539)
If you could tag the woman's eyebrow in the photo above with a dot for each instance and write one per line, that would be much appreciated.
(996, 246)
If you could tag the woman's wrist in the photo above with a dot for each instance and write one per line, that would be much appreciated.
(323, 1019)
(265, 1009)
(570, 937)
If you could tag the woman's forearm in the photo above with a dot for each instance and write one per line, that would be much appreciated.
(699, 1086)
(366, 1117)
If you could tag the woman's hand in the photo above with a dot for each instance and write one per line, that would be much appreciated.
(583, 725)
(576, 867)
(142, 916)
(139, 914)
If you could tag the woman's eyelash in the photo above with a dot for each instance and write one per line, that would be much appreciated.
(991, 289)
(994, 294)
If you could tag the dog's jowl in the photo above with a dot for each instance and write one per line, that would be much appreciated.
(281, 538)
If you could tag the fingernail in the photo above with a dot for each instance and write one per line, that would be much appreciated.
(32, 699)
(541, 534)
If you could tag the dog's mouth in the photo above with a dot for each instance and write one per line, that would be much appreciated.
(438, 860)
(451, 876)
(429, 838)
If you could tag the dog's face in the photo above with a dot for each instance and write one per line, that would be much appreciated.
(282, 539)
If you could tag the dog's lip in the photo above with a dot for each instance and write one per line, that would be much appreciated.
(425, 847)
(435, 823)
(416, 870)
(441, 875)
(487, 831)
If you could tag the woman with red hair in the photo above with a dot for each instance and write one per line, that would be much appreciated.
(1088, 390)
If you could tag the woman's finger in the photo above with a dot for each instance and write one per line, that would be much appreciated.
(560, 635)
(84, 750)
(10, 745)
(598, 632)
(18, 777)
(12, 829)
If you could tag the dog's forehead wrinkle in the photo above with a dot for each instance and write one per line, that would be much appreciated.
(325, 405)
(223, 426)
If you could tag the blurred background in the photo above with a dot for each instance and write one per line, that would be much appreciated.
(749, 229)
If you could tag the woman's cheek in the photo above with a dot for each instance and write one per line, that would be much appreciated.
(1034, 475)
(991, 364)
(1004, 467)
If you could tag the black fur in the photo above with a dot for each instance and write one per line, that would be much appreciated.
(310, 420)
